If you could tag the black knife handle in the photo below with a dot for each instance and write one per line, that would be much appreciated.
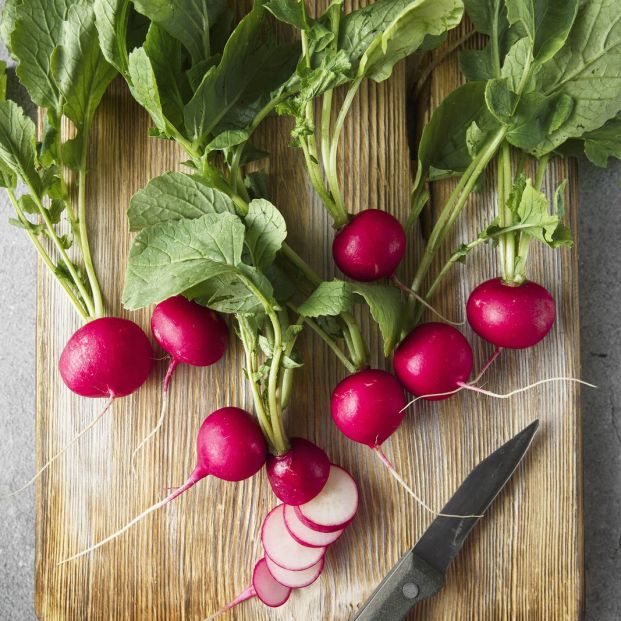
(411, 580)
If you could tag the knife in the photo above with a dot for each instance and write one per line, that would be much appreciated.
(421, 571)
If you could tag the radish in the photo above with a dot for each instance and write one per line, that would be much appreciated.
(305, 535)
(368, 406)
(300, 474)
(230, 446)
(433, 360)
(512, 316)
(108, 357)
(282, 548)
(192, 334)
(334, 507)
(358, 251)
(264, 586)
(294, 579)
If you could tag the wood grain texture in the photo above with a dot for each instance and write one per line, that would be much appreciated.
(524, 560)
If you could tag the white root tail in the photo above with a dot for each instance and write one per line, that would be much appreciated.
(153, 432)
(517, 391)
(382, 457)
(184, 488)
(63, 450)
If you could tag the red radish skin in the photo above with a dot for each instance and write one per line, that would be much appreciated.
(107, 357)
(230, 446)
(192, 334)
(264, 586)
(334, 507)
(282, 548)
(294, 579)
(515, 317)
(357, 251)
(433, 358)
(368, 406)
(271, 592)
(300, 474)
(305, 535)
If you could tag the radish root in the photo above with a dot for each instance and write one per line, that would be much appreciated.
(249, 593)
(63, 450)
(165, 402)
(382, 457)
(508, 395)
(184, 488)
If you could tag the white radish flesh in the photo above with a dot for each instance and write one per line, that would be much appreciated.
(305, 535)
(335, 506)
(282, 548)
(294, 579)
(271, 592)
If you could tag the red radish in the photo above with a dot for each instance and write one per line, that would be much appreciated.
(434, 358)
(264, 586)
(282, 548)
(299, 474)
(107, 357)
(305, 535)
(368, 406)
(230, 446)
(334, 507)
(192, 334)
(294, 579)
(370, 246)
(512, 316)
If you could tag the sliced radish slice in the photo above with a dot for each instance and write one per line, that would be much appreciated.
(294, 579)
(282, 548)
(334, 507)
(305, 535)
(271, 592)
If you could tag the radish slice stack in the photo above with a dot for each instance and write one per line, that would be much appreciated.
(295, 540)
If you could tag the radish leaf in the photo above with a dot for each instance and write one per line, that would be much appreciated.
(385, 305)
(266, 231)
(329, 298)
(174, 196)
(169, 258)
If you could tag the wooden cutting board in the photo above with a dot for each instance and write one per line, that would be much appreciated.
(523, 561)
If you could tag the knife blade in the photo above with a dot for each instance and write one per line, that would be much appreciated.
(420, 573)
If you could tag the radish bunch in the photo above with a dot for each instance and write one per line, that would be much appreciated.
(295, 541)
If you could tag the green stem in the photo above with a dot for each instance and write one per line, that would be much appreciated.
(79, 306)
(453, 208)
(502, 241)
(314, 173)
(331, 168)
(317, 329)
(449, 264)
(88, 302)
(541, 171)
(286, 380)
(280, 443)
(509, 258)
(275, 410)
(359, 349)
(252, 367)
(84, 243)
